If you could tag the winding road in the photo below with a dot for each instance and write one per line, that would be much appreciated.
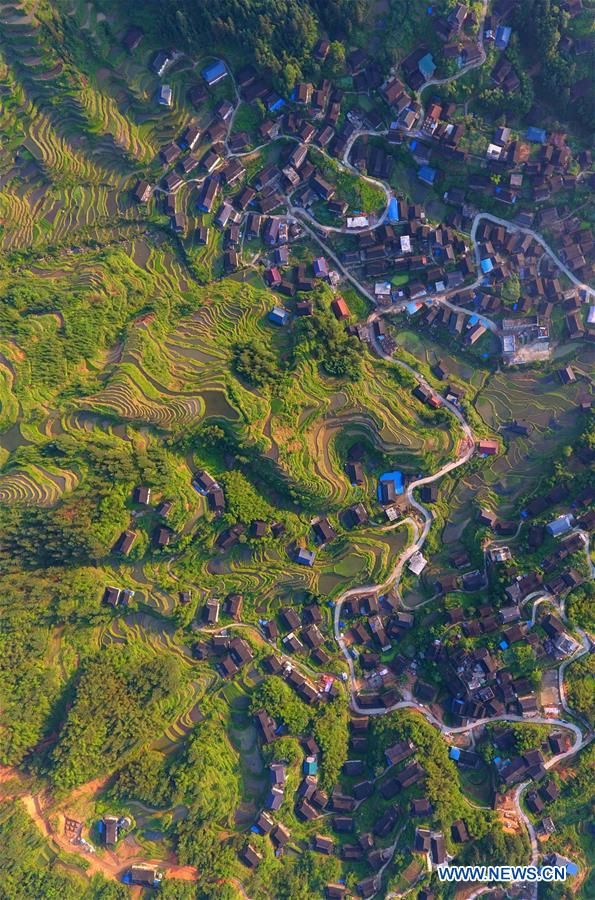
(421, 520)
(467, 447)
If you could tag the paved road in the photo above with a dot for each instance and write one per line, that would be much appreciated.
(472, 65)
(513, 227)
(467, 446)
(580, 739)
(467, 449)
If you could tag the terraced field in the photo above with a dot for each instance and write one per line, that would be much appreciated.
(551, 410)
(119, 346)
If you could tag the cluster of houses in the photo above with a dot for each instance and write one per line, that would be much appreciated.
(161, 537)
(354, 516)
(480, 686)
(552, 579)
(299, 634)
(504, 253)
(303, 279)
(312, 803)
(230, 653)
(512, 769)
(378, 623)
(434, 259)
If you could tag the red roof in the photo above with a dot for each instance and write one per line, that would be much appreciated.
(340, 308)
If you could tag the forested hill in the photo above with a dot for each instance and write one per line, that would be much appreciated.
(277, 34)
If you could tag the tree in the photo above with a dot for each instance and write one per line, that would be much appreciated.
(199, 845)
(284, 749)
(498, 844)
(331, 731)
(335, 60)
(524, 661)
(255, 363)
(529, 737)
(173, 889)
(282, 704)
(144, 778)
(322, 336)
(278, 34)
(581, 606)
(341, 16)
(511, 290)
(207, 777)
(442, 779)
(116, 707)
(243, 502)
(580, 686)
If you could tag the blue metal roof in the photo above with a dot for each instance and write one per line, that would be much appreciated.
(214, 71)
(426, 65)
(537, 135)
(396, 478)
(393, 210)
(278, 316)
(502, 38)
(275, 104)
(427, 174)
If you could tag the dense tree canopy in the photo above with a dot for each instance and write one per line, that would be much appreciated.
(30, 605)
(580, 686)
(279, 34)
(283, 704)
(243, 502)
(581, 606)
(322, 336)
(207, 778)
(116, 707)
(256, 363)
(331, 731)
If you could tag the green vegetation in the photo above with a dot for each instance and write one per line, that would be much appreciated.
(109, 732)
(280, 35)
(282, 703)
(581, 606)
(362, 196)
(580, 686)
(256, 363)
(26, 870)
(244, 503)
(131, 358)
(529, 737)
(540, 24)
(207, 777)
(323, 337)
(442, 783)
(331, 731)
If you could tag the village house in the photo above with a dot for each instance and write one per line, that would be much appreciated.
(146, 875)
